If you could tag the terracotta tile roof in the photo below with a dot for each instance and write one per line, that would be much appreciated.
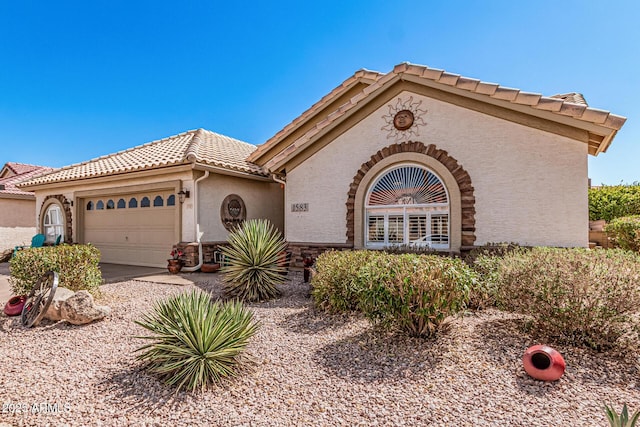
(194, 146)
(572, 105)
(19, 172)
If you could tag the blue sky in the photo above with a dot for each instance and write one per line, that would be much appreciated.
(83, 79)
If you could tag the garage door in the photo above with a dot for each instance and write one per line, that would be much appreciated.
(134, 229)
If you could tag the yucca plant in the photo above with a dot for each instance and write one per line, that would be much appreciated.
(622, 419)
(252, 272)
(195, 342)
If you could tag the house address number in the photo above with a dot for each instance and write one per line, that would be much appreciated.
(300, 207)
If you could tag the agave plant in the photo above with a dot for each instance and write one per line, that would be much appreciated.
(195, 342)
(622, 419)
(252, 272)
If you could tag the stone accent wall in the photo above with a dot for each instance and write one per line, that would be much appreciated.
(300, 250)
(459, 173)
(191, 254)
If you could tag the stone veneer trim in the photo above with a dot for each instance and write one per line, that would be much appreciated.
(461, 176)
(66, 207)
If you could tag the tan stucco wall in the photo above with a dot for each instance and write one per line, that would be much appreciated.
(17, 226)
(261, 199)
(530, 186)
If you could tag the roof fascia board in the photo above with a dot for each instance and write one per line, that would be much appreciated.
(122, 176)
(547, 115)
(392, 89)
(129, 189)
(17, 196)
(230, 172)
(321, 109)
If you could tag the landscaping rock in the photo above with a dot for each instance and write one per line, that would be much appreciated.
(54, 311)
(80, 309)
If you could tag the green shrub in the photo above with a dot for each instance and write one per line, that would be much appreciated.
(615, 201)
(195, 342)
(414, 293)
(574, 296)
(485, 261)
(252, 271)
(77, 266)
(625, 232)
(335, 285)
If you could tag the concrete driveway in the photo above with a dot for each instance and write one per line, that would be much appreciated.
(112, 273)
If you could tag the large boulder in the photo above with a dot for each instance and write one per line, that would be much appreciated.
(54, 311)
(79, 309)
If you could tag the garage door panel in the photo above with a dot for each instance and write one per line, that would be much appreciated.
(136, 236)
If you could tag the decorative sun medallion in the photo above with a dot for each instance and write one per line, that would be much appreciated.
(404, 119)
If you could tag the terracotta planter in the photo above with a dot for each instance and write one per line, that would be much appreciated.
(13, 307)
(543, 363)
(174, 266)
(210, 268)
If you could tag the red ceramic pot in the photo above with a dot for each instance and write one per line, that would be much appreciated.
(13, 307)
(543, 363)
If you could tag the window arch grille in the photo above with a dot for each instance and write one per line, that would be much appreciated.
(145, 202)
(122, 204)
(133, 202)
(110, 204)
(90, 206)
(407, 205)
(171, 200)
(100, 205)
(158, 201)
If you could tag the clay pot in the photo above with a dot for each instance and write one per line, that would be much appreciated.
(543, 363)
(13, 307)
(174, 266)
(210, 268)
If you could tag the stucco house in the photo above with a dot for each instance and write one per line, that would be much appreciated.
(136, 204)
(416, 156)
(16, 205)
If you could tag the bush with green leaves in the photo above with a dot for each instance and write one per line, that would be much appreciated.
(414, 293)
(195, 343)
(485, 261)
(335, 286)
(624, 232)
(77, 267)
(574, 296)
(410, 292)
(252, 271)
(614, 201)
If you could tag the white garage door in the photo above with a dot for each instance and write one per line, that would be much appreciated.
(134, 229)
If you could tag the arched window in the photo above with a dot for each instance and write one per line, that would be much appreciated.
(145, 202)
(158, 201)
(53, 223)
(100, 205)
(90, 206)
(122, 204)
(171, 200)
(110, 204)
(133, 202)
(407, 205)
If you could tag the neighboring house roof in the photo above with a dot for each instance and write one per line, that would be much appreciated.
(568, 109)
(199, 146)
(14, 173)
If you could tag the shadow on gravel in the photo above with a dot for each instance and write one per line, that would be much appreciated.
(139, 392)
(314, 321)
(374, 355)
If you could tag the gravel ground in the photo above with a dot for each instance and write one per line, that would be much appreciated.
(310, 369)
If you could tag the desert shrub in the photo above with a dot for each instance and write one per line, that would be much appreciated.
(335, 285)
(485, 261)
(574, 296)
(622, 419)
(614, 201)
(77, 266)
(625, 232)
(195, 342)
(413, 293)
(252, 272)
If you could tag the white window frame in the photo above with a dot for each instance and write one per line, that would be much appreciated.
(430, 211)
(50, 228)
